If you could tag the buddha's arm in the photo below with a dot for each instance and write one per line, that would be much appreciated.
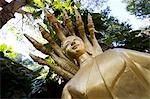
(139, 63)
(140, 58)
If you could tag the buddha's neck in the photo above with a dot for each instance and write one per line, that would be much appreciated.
(83, 58)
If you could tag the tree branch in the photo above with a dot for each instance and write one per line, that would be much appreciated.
(9, 10)
(3, 3)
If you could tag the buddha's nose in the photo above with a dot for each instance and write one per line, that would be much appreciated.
(73, 43)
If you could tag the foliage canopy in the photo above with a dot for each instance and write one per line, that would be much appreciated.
(140, 8)
(110, 33)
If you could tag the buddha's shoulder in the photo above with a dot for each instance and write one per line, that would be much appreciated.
(121, 52)
(126, 51)
(111, 54)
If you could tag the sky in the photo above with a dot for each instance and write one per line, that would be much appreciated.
(118, 9)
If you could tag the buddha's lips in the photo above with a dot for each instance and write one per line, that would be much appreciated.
(75, 46)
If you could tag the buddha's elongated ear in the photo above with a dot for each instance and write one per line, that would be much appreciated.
(68, 22)
(96, 47)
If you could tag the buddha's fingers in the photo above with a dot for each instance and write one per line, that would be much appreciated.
(68, 22)
(81, 29)
(66, 75)
(65, 64)
(53, 44)
(38, 45)
(56, 25)
(96, 46)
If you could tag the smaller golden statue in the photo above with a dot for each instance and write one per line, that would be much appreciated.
(113, 74)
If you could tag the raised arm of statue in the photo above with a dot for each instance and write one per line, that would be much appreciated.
(93, 74)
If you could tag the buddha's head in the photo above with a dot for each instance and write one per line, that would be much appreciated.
(73, 46)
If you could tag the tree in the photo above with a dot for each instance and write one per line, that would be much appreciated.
(15, 78)
(9, 9)
(90, 5)
(110, 33)
(18, 81)
(140, 8)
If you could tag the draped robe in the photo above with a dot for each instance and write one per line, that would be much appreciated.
(114, 74)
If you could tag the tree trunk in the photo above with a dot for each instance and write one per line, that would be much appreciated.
(9, 9)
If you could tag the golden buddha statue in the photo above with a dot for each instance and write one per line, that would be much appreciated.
(92, 73)
(114, 74)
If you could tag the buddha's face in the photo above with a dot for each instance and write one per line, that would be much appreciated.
(73, 46)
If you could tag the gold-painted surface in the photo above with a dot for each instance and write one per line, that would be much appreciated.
(114, 74)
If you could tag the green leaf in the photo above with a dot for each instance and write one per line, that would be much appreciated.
(12, 55)
(39, 3)
(43, 76)
(109, 40)
(30, 9)
(3, 47)
(50, 60)
(78, 4)
(9, 49)
(59, 6)
(37, 14)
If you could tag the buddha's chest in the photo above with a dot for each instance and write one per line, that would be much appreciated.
(88, 83)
